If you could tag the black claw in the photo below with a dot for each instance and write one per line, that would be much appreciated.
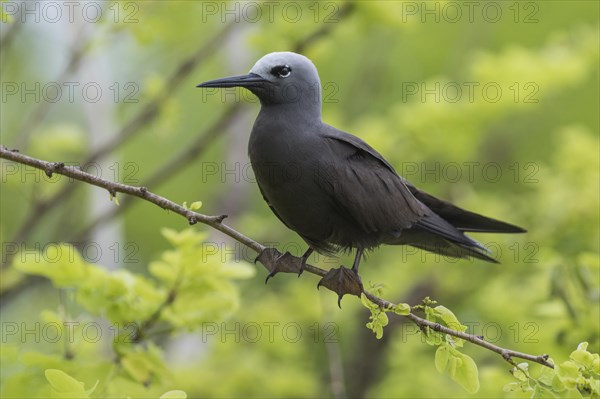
(302, 264)
(342, 281)
(277, 262)
(269, 276)
(304, 259)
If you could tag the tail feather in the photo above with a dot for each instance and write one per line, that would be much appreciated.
(452, 250)
(434, 234)
(462, 219)
(432, 242)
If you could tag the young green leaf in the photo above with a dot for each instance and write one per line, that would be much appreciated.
(442, 355)
(460, 367)
(65, 386)
(582, 357)
(465, 373)
(194, 206)
(402, 309)
(450, 320)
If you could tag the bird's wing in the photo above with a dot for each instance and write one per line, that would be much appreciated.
(462, 219)
(366, 188)
(336, 134)
(377, 197)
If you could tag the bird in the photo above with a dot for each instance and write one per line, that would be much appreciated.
(331, 187)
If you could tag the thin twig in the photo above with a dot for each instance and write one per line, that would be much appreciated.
(216, 222)
(170, 168)
(148, 113)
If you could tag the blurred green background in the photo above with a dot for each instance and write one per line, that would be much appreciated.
(492, 105)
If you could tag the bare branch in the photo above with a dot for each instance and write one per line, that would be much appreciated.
(170, 168)
(149, 113)
(216, 222)
(134, 126)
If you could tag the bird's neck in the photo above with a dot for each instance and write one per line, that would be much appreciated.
(290, 116)
(302, 111)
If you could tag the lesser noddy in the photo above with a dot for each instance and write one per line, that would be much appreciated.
(331, 187)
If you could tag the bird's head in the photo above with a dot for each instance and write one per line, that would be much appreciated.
(279, 78)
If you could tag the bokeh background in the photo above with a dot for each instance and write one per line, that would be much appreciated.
(492, 105)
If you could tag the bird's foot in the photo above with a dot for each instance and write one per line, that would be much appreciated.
(304, 259)
(342, 281)
(277, 262)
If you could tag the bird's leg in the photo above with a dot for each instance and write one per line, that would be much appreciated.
(343, 280)
(357, 258)
(304, 258)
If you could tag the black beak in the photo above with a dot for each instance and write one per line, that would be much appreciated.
(250, 80)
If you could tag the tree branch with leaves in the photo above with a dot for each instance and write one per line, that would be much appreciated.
(440, 326)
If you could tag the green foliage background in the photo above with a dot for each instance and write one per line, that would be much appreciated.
(529, 156)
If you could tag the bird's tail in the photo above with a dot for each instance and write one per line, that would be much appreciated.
(462, 219)
(435, 234)
(449, 249)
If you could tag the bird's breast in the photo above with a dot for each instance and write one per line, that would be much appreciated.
(287, 170)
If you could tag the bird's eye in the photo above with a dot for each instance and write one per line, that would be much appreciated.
(282, 71)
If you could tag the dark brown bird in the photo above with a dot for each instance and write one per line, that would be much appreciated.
(332, 188)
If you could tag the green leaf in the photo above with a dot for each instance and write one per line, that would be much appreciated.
(460, 367)
(547, 376)
(88, 392)
(557, 384)
(402, 309)
(467, 374)
(114, 196)
(138, 366)
(449, 319)
(433, 338)
(60, 263)
(596, 363)
(195, 205)
(367, 303)
(569, 373)
(429, 314)
(442, 355)
(175, 394)
(517, 387)
(521, 372)
(65, 386)
(536, 393)
(379, 320)
(582, 357)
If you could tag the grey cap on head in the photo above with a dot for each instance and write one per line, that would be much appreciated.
(279, 78)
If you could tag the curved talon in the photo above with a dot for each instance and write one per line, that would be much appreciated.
(269, 276)
(342, 281)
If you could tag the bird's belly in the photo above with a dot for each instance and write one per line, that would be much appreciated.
(295, 197)
(294, 191)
